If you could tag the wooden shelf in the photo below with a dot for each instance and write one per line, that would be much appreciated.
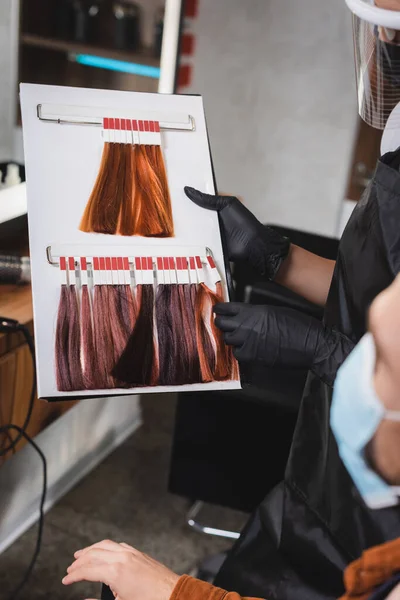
(143, 57)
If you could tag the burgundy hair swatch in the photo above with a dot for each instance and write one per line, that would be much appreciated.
(88, 349)
(63, 378)
(188, 320)
(74, 341)
(138, 363)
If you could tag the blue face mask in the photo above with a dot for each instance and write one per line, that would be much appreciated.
(356, 413)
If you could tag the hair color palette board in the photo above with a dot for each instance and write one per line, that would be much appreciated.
(125, 268)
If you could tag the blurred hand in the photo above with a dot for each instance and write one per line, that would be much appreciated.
(130, 574)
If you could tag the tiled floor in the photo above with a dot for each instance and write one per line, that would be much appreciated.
(124, 499)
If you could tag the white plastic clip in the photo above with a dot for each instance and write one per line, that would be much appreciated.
(63, 270)
(71, 270)
(215, 276)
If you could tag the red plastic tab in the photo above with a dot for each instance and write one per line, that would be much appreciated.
(198, 262)
(138, 263)
(146, 125)
(166, 263)
(96, 265)
(192, 263)
(112, 124)
(117, 124)
(187, 44)
(157, 126)
(83, 263)
(71, 263)
(141, 126)
(191, 8)
(106, 123)
(120, 263)
(152, 126)
(178, 263)
(102, 262)
(184, 75)
(171, 263)
(114, 263)
(135, 125)
(159, 263)
(126, 263)
(63, 263)
(211, 262)
(149, 263)
(184, 262)
(108, 263)
(129, 125)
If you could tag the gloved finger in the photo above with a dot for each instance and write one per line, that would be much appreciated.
(225, 323)
(227, 308)
(234, 338)
(206, 200)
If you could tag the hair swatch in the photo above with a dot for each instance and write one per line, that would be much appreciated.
(63, 378)
(205, 348)
(151, 203)
(74, 341)
(188, 328)
(130, 195)
(138, 363)
(102, 337)
(88, 348)
(121, 339)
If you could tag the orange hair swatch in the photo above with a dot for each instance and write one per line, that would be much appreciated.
(130, 195)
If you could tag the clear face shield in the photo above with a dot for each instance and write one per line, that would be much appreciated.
(376, 29)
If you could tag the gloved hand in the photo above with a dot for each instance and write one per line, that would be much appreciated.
(246, 238)
(282, 337)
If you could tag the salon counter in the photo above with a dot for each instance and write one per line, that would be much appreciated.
(16, 368)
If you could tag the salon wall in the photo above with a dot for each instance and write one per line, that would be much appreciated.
(278, 83)
(8, 62)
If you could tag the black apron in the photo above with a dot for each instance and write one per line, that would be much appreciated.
(306, 531)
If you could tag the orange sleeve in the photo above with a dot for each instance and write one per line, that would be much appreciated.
(188, 588)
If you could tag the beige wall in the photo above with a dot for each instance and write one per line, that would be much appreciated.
(277, 78)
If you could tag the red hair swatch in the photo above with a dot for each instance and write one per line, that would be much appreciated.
(204, 345)
(131, 194)
(102, 209)
(188, 320)
(102, 338)
(152, 208)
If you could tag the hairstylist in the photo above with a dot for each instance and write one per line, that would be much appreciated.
(365, 401)
(309, 528)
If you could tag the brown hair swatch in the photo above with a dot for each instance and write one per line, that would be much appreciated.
(188, 320)
(138, 362)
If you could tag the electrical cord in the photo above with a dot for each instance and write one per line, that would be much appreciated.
(12, 326)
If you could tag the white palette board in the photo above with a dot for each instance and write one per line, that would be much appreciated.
(62, 162)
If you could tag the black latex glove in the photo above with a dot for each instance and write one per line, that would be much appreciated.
(282, 337)
(246, 238)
